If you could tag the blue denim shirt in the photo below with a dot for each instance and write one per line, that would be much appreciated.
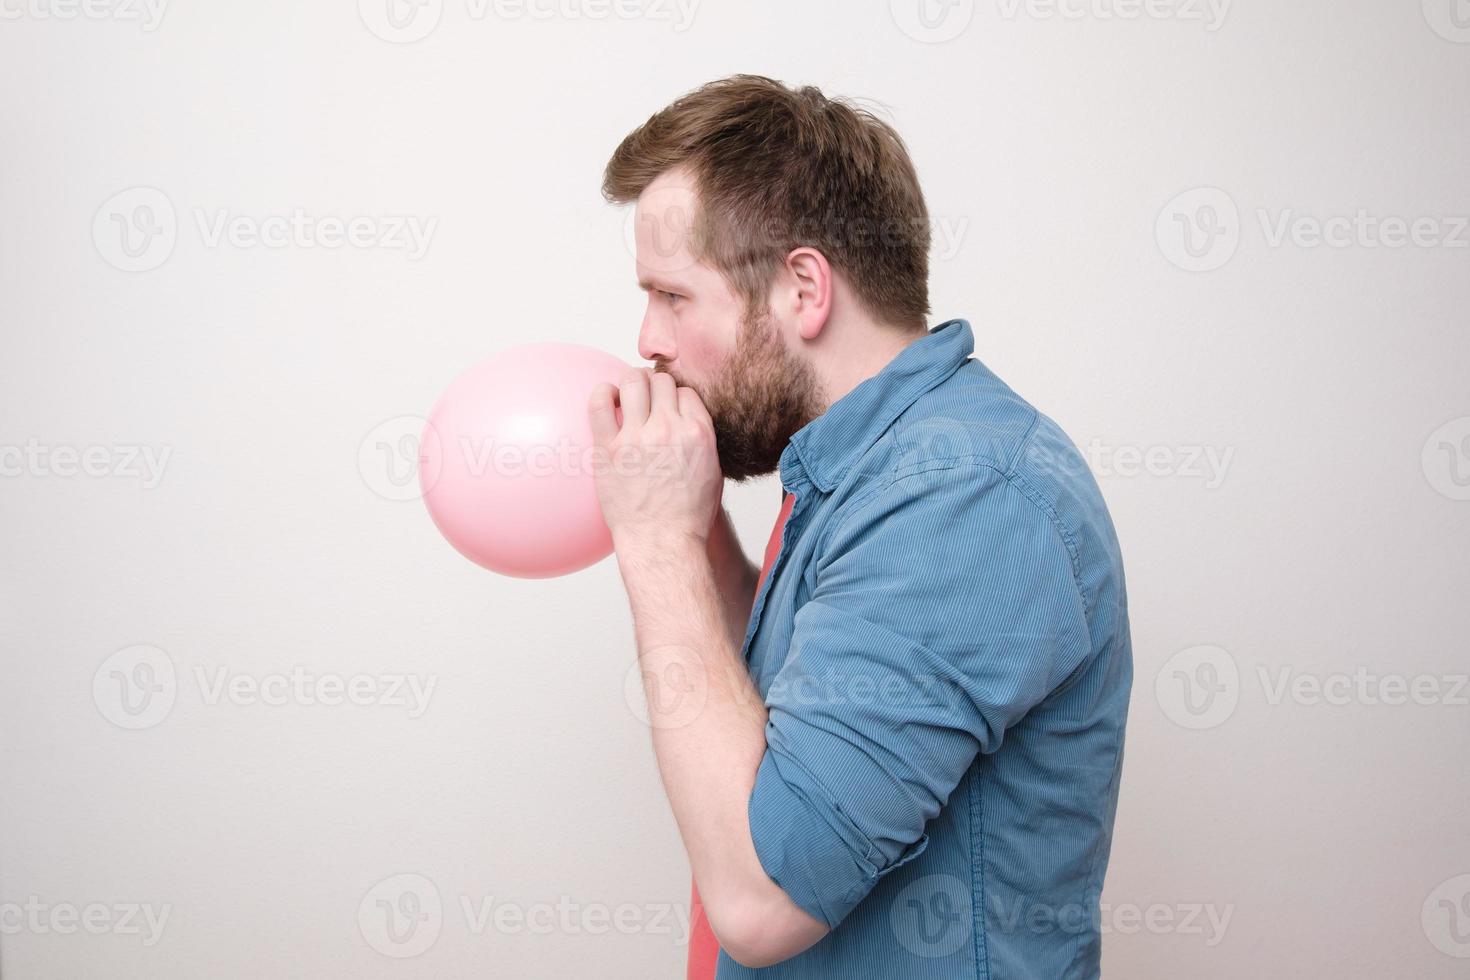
(942, 642)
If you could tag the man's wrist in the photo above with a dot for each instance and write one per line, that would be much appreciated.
(658, 546)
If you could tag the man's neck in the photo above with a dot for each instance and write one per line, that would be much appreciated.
(866, 351)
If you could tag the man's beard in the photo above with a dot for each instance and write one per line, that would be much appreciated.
(758, 401)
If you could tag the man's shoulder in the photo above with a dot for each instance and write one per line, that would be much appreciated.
(976, 417)
(977, 422)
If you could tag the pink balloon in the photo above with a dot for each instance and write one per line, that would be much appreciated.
(506, 462)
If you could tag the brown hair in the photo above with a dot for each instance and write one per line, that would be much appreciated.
(777, 168)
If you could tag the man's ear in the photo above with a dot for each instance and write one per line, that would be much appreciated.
(812, 285)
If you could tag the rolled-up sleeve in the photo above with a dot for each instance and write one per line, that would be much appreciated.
(944, 607)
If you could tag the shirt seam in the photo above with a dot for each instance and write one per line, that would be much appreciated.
(981, 941)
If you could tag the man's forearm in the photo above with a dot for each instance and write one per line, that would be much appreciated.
(708, 726)
(708, 721)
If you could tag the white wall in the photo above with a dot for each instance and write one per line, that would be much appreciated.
(1327, 540)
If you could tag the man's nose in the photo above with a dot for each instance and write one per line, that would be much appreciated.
(655, 338)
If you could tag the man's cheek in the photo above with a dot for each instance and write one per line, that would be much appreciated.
(704, 356)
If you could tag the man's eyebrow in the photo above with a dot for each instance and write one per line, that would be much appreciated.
(648, 283)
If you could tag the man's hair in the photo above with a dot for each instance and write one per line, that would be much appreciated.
(776, 168)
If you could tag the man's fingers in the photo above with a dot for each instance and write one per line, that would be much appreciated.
(662, 394)
(601, 413)
(692, 406)
(633, 393)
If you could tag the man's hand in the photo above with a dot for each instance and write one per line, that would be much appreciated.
(662, 478)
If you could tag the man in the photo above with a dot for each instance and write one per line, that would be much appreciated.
(896, 753)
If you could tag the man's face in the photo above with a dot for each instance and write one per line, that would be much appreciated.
(757, 390)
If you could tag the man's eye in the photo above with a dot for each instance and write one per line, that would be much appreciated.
(670, 296)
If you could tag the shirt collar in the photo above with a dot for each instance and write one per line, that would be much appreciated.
(823, 449)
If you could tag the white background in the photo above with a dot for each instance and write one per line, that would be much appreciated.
(1328, 832)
